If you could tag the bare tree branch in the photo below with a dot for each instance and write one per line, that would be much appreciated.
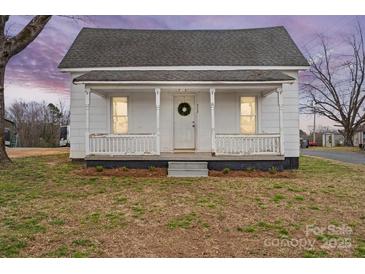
(17, 43)
(8, 48)
(336, 84)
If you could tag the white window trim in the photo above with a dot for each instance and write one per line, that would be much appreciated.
(257, 111)
(111, 122)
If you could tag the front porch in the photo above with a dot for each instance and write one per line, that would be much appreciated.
(218, 144)
(217, 162)
(182, 156)
(147, 145)
(213, 129)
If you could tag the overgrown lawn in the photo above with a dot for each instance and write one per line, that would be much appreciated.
(48, 208)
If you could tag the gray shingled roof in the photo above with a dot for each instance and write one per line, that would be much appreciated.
(184, 75)
(131, 48)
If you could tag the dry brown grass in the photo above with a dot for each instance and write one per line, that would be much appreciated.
(20, 152)
(339, 149)
(51, 207)
(124, 172)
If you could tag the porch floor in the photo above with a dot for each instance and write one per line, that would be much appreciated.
(184, 156)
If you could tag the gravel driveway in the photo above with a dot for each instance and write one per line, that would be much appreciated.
(348, 157)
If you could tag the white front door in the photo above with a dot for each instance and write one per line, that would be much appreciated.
(184, 122)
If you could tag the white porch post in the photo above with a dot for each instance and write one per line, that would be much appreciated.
(157, 92)
(212, 106)
(279, 92)
(87, 121)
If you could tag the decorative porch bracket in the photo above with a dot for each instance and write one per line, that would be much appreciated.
(279, 92)
(87, 120)
(157, 92)
(212, 107)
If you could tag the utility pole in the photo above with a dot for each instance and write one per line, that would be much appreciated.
(314, 122)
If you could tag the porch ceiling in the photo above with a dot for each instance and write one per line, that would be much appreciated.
(174, 76)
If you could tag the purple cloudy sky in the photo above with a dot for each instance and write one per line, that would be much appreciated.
(33, 74)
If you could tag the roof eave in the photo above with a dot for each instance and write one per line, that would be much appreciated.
(185, 82)
(294, 68)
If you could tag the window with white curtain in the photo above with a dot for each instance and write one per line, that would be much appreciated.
(248, 115)
(120, 115)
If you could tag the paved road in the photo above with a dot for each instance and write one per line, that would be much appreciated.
(349, 157)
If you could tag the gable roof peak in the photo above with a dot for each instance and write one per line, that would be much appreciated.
(97, 48)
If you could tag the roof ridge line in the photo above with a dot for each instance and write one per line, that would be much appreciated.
(192, 30)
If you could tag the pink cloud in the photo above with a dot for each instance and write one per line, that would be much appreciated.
(36, 66)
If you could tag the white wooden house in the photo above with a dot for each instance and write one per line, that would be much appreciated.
(359, 137)
(146, 97)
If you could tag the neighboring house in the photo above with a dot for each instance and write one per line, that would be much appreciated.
(359, 136)
(10, 133)
(331, 139)
(144, 98)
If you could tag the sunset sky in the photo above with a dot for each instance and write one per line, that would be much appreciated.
(33, 74)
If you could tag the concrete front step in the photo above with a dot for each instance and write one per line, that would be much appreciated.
(188, 169)
(188, 165)
(187, 172)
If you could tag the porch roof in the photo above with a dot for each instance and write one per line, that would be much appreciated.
(143, 76)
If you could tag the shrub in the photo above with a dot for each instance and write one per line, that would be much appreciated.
(151, 168)
(124, 168)
(99, 168)
(226, 170)
(277, 198)
(250, 169)
(273, 170)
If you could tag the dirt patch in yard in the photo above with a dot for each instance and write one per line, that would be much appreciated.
(123, 172)
(162, 172)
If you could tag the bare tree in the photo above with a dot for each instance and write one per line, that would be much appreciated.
(65, 113)
(9, 47)
(38, 124)
(334, 86)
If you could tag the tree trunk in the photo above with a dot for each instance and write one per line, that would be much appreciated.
(8, 48)
(3, 155)
(348, 135)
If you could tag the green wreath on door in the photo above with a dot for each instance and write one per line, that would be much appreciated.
(184, 109)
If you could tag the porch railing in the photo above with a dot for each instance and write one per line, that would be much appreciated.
(258, 144)
(126, 144)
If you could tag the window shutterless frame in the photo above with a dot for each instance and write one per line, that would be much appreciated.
(123, 115)
(251, 101)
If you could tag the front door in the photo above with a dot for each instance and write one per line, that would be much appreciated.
(184, 122)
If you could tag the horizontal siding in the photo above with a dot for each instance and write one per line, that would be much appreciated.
(270, 116)
(98, 118)
(202, 101)
(227, 112)
(142, 116)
